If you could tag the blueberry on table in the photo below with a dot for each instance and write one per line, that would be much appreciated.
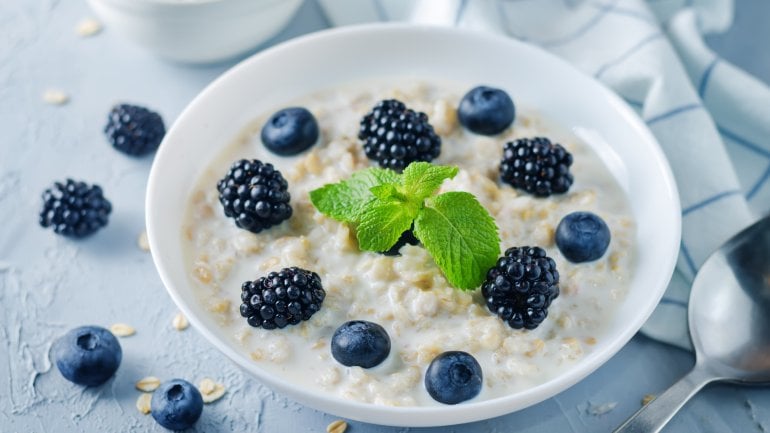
(360, 343)
(486, 110)
(536, 166)
(74, 209)
(255, 195)
(290, 131)
(395, 136)
(134, 130)
(521, 286)
(582, 237)
(176, 404)
(453, 377)
(88, 355)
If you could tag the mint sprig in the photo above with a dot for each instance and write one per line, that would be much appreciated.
(460, 235)
(345, 201)
(381, 204)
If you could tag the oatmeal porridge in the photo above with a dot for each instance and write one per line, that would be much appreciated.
(407, 295)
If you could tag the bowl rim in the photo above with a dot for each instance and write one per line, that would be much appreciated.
(368, 412)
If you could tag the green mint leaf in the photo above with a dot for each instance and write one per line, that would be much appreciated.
(455, 229)
(422, 179)
(460, 235)
(382, 223)
(345, 201)
(385, 191)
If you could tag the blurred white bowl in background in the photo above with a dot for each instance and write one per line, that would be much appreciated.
(196, 31)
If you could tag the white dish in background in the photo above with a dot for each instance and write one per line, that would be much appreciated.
(196, 31)
(534, 78)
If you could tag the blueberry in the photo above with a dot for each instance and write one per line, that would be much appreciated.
(453, 377)
(176, 404)
(486, 110)
(361, 343)
(582, 237)
(290, 131)
(88, 355)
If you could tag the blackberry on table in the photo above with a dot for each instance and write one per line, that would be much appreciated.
(134, 130)
(521, 287)
(74, 209)
(255, 195)
(281, 298)
(537, 166)
(395, 136)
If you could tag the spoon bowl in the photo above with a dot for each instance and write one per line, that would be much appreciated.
(729, 313)
(729, 320)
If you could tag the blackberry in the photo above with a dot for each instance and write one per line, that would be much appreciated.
(134, 130)
(255, 195)
(74, 209)
(521, 287)
(396, 136)
(281, 298)
(536, 166)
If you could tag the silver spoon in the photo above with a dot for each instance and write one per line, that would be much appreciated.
(729, 319)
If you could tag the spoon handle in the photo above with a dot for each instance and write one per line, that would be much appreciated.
(654, 416)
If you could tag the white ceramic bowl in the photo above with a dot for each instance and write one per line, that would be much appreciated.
(534, 79)
(196, 31)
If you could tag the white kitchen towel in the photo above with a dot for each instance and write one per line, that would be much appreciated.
(712, 119)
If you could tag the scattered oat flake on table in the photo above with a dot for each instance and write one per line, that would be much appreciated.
(180, 322)
(338, 426)
(142, 241)
(55, 97)
(211, 391)
(143, 403)
(122, 330)
(88, 27)
(148, 384)
(219, 391)
(600, 409)
(647, 399)
(206, 386)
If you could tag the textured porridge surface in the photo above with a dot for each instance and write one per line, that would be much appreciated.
(407, 294)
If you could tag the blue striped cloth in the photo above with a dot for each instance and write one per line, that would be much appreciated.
(712, 119)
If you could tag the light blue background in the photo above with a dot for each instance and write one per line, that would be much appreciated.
(49, 284)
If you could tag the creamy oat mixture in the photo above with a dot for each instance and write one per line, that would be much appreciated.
(407, 295)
